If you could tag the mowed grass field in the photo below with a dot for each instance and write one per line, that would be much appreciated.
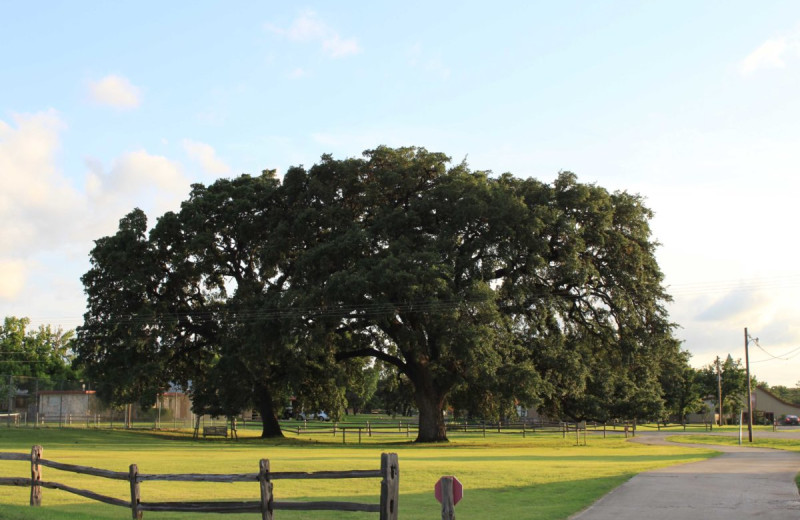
(539, 477)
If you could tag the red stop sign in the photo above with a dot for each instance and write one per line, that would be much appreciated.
(458, 490)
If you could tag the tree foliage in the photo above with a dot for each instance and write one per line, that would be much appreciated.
(42, 352)
(481, 292)
(791, 395)
(731, 377)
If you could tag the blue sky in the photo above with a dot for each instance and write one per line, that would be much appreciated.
(105, 106)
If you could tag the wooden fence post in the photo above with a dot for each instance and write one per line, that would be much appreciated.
(36, 476)
(266, 489)
(390, 486)
(448, 507)
(133, 474)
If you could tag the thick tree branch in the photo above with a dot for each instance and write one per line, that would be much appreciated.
(373, 352)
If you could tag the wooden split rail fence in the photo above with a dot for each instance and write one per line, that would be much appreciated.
(387, 508)
(366, 429)
(524, 429)
(352, 431)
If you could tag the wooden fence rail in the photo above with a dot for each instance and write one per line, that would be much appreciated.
(387, 508)
(355, 432)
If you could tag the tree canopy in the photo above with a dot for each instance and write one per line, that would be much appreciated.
(41, 352)
(728, 377)
(481, 291)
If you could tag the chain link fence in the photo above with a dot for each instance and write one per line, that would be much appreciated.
(32, 401)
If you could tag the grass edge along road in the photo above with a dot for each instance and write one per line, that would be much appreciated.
(541, 477)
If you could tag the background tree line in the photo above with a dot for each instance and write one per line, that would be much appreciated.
(46, 353)
(42, 352)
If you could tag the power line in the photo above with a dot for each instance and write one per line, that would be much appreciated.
(24, 362)
(783, 357)
(677, 289)
(717, 286)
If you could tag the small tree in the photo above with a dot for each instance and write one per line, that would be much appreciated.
(731, 378)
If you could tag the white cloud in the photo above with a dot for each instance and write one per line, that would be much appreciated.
(205, 155)
(35, 197)
(153, 183)
(12, 278)
(37, 204)
(298, 73)
(42, 212)
(307, 27)
(772, 54)
(337, 47)
(115, 91)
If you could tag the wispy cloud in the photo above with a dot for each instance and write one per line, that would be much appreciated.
(115, 91)
(298, 73)
(772, 54)
(433, 65)
(732, 306)
(338, 47)
(206, 156)
(308, 27)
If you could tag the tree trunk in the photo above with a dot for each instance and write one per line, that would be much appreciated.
(431, 421)
(270, 425)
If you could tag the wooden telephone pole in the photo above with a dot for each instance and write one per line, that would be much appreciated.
(719, 390)
(749, 390)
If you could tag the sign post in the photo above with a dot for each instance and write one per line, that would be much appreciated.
(448, 491)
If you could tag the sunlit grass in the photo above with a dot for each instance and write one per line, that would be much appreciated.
(538, 477)
(758, 441)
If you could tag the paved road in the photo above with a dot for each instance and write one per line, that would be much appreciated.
(741, 483)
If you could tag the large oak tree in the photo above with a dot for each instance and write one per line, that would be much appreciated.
(482, 291)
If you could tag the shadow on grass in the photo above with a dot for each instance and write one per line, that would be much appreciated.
(22, 438)
(550, 501)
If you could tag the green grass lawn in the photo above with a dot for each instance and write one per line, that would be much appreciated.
(763, 441)
(539, 477)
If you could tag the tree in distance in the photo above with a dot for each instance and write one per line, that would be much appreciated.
(43, 352)
(481, 291)
(730, 378)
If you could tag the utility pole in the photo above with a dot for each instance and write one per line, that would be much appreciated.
(749, 391)
(719, 390)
